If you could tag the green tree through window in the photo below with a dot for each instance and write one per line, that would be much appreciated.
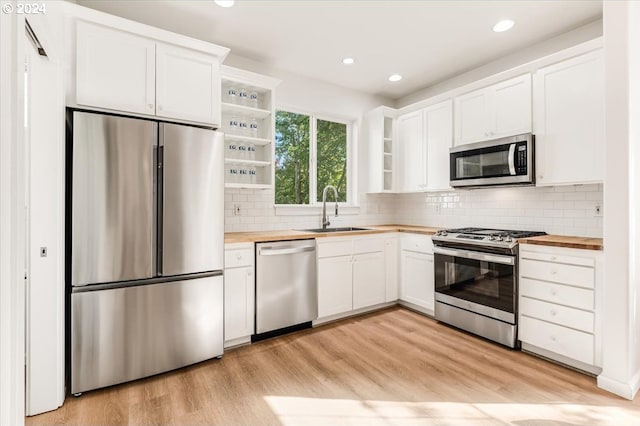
(295, 143)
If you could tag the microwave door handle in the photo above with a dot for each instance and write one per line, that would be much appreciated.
(512, 159)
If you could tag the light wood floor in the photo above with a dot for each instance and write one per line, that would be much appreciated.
(390, 367)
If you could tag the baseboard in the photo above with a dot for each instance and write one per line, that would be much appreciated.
(627, 390)
(417, 308)
(344, 315)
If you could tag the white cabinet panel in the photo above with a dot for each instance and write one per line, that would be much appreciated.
(503, 109)
(114, 70)
(411, 137)
(555, 338)
(416, 279)
(391, 256)
(239, 302)
(472, 111)
(188, 85)
(511, 107)
(561, 315)
(439, 138)
(236, 258)
(561, 294)
(579, 276)
(569, 121)
(369, 286)
(335, 287)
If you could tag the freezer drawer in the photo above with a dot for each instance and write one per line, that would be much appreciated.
(127, 333)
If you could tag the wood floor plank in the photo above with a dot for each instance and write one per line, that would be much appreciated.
(390, 367)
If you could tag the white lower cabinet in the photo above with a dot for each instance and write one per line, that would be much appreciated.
(351, 275)
(416, 273)
(335, 288)
(239, 293)
(369, 286)
(559, 306)
(391, 256)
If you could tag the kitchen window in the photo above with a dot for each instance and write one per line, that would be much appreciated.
(311, 153)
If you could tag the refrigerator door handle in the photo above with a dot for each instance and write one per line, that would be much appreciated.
(159, 206)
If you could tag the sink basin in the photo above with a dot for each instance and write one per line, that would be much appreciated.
(346, 229)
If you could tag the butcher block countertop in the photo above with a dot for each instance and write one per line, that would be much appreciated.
(261, 236)
(584, 243)
(283, 235)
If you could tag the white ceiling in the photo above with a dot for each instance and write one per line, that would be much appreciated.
(425, 41)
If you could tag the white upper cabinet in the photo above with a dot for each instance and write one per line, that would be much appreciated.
(187, 85)
(439, 138)
(115, 70)
(569, 121)
(125, 72)
(411, 137)
(377, 154)
(503, 109)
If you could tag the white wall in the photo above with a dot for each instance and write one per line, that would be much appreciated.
(12, 229)
(621, 322)
(523, 56)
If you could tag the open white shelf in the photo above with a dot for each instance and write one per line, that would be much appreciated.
(245, 111)
(247, 139)
(254, 163)
(247, 185)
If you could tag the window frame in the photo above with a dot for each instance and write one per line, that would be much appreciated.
(313, 157)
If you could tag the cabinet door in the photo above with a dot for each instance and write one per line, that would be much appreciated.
(569, 121)
(471, 117)
(114, 70)
(417, 280)
(412, 147)
(439, 131)
(239, 302)
(369, 284)
(511, 107)
(335, 289)
(391, 269)
(188, 85)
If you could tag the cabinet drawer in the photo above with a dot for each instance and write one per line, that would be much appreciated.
(556, 293)
(558, 258)
(564, 341)
(335, 248)
(420, 245)
(557, 314)
(236, 258)
(580, 276)
(367, 245)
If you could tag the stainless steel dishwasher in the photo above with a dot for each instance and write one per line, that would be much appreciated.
(286, 286)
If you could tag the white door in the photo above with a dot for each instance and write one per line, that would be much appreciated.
(238, 302)
(511, 107)
(439, 131)
(417, 279)
(569, 120)
(335, 288)
(369, 284)
(114, 70)
(412, 147)
(188, 85)
(471, 117)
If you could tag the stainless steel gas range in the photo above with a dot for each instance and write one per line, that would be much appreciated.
(476, 281)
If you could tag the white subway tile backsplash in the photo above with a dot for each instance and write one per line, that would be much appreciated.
(565, 210)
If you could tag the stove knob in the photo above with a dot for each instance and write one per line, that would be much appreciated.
(499, 238)
(442, 233)
(508, 239)
(492, 237)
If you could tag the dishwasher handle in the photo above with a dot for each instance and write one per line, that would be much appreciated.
(271, 251)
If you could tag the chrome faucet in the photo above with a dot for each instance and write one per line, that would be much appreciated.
(325, 218)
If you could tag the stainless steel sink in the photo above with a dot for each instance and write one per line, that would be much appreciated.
(346, 229)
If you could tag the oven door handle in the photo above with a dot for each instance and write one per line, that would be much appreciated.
(467, 254)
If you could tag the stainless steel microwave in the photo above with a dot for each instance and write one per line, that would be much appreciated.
(505, 161)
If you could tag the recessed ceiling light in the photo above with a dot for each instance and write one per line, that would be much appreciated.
(348, 60)
(395, 77)
(224, 3)
(503, 25)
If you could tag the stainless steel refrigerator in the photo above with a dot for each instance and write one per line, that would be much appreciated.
(145, 231)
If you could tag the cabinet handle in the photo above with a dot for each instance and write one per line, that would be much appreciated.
(553, 272)
(249, 273)
(239, 257)
(553, 313)
(553, 292)
(553, 258)
(159, 107)
(553, 338)
(150, 106)
(540, 177)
